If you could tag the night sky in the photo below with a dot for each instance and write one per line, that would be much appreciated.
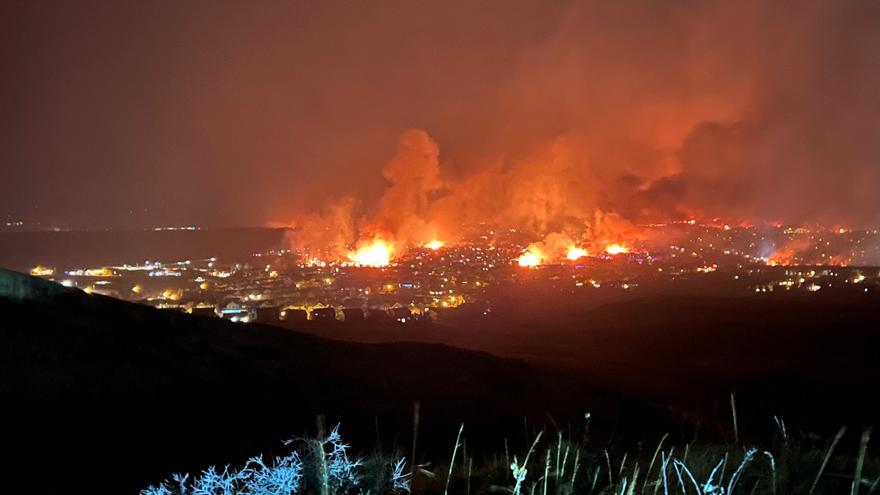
(136, 114)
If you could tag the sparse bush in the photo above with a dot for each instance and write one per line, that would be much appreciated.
(556, 467)
(320, 466)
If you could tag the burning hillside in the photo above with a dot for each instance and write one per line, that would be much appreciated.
(420, 208)
(543, 200)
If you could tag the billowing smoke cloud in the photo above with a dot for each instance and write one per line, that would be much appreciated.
(545, 113)
(327, 234)
(541, 195)
(636, 112)
(413, 175)
(403, 217)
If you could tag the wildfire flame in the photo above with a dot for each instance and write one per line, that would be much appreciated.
(531, 258)
(434, 245)
(376, 254)
(616, 249)
(575, 253)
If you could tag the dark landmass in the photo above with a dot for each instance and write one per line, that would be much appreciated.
(808, 357)
(91, 382)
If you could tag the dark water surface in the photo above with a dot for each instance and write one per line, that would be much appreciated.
(63, 250)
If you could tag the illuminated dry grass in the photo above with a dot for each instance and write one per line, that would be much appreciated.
(557, 464)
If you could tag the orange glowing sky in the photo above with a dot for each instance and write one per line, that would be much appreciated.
(397, 116)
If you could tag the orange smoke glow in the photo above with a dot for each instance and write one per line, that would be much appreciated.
(616, 249)
(377, 253)
(575, 253)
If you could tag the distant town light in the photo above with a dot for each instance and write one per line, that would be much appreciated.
(42, 271)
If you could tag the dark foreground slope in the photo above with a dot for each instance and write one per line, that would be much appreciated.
(806, 357)
(96, 385)
(87, 348)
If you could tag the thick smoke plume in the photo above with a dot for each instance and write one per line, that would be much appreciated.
(622, 114)
(545, 113)
(417, 206)
(371, 127)
(413, 175)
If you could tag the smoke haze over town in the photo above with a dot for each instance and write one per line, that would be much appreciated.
(415, 119)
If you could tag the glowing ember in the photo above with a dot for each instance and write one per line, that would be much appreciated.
(575, 253)
(530, 258)
(616, 249)
(435, 245)
(376, 253)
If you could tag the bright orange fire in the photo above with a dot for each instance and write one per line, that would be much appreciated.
(616, 249)
(531, 258)
(435, 244)
(780, 258)
(376, 254)
(575, 253)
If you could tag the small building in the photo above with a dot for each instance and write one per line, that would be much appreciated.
(235, 312)
(204, 311)
(295, 315)
(401, 314)
(268, 314)
(350, 315)
(378, 315)
(323, 314)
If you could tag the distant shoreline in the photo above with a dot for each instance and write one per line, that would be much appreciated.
(82, 248)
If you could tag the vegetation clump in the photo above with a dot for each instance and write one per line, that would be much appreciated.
(556, 466)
